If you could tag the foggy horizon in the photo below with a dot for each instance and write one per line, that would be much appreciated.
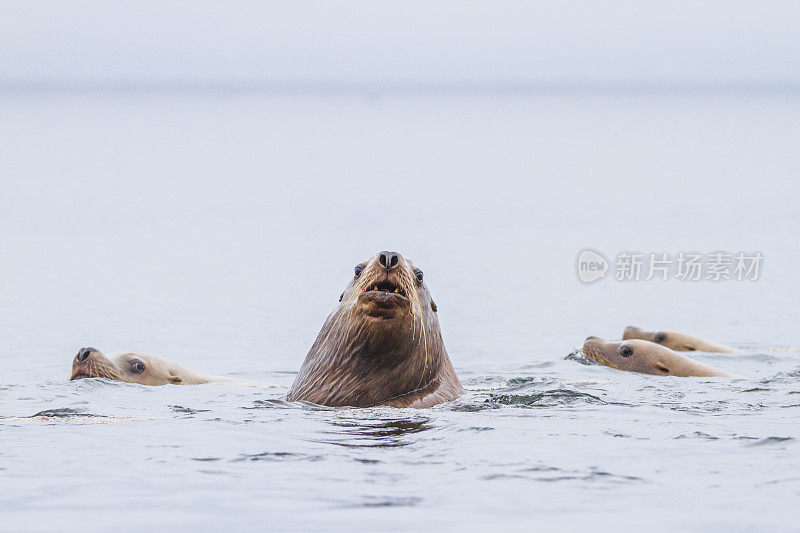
(414, 46)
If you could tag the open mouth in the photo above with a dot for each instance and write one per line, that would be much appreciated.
(384, 300)
(388, 287)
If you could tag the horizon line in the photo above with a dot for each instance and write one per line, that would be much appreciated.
(255, 86)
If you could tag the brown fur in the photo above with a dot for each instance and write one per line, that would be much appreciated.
(118, 367)
(379, 347)
(646, 357)
(675, 340)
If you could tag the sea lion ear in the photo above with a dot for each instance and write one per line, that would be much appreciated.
(341, 296)
(661, 367)
(433, 306)
(175, 380)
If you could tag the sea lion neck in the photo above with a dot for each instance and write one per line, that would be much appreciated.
(361, 361)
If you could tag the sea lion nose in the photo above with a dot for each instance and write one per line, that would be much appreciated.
(389, 260)
(591, 337)
(83, 354)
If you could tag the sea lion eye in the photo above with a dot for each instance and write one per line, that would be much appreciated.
(418, 274)
(359, 270)
(138, 367)
(659, 337)
(626, 351)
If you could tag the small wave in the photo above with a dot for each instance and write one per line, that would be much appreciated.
(792, 479)
(789, 376)
(188, 410)
(67, 415)
(579, 357)
(708, 407)
(469, 407)
(376, 434)
(538, 365)
(384, 501)
(519, 383)
(277, 457)
(770, 441)
(62, 412)
(477, 429)
(549, 474)
(482, 383)
(758, 357)
(390, 428)
(697, 435)
(274, 403)
(549, 398)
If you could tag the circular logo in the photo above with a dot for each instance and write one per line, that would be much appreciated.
(592, 266)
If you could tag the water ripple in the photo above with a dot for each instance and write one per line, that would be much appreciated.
(549, 398)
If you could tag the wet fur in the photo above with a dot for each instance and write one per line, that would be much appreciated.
(362, 361)
(158, 371)
(674, 340)
(647, 358)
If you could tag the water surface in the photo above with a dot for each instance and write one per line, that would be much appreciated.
(219, 231)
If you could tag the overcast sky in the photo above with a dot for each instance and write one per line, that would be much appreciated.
(427, 42)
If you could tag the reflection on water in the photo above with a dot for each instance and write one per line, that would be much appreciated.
(549, 474)
(377, 501)
(356, 433)
(63, 412)
(278, 457)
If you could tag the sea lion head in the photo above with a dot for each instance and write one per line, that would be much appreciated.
(388, 303)
(387, 292)
(670, 339)
(382, 340)
(632, 355)
(636, 355)
(130, 367)
(675, 340)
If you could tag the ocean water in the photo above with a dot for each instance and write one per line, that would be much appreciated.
(219, 230)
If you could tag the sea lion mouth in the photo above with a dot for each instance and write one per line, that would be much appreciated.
(593, 353)
(384, 300)
(94, 370)
(388, 287)
(82, 372)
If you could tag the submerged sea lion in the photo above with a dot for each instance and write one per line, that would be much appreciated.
(134, 367)
(675, 340)
(381, 345)
(647, 358)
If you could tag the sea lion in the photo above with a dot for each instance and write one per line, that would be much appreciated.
(647, 358)
(675, 340)
(381, 345)
(134, 367)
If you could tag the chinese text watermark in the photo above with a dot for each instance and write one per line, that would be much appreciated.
(592, 266)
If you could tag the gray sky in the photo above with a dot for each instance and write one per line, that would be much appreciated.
(413, 42)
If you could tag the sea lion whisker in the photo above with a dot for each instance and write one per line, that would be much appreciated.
(409, 285)
(597, 358)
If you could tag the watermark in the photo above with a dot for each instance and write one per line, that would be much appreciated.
(592, 266)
